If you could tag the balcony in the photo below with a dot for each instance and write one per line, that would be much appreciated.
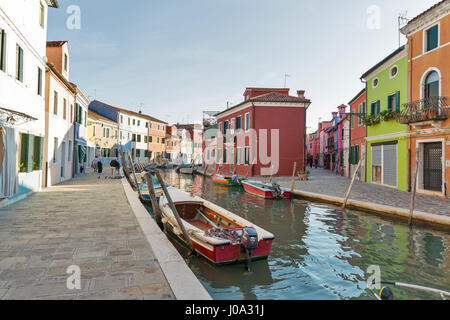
(429, 109)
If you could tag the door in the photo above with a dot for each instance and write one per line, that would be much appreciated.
(376, 164)
(432, 166)
(63, 158)
(390, 165)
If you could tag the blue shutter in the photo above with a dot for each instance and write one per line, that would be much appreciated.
(378, 107)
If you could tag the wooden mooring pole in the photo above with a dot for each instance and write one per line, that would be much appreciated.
(175, 212)
(293, 177)
(151, 192)
(413, 193)
(132, 168)
(347, 195)
(125, 169)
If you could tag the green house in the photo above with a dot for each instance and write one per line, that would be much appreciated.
(386, 141)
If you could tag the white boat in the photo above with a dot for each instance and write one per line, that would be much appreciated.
(187, 170)
(217, 234)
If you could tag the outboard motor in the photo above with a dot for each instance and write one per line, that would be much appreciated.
(249, 242)
(278, 193)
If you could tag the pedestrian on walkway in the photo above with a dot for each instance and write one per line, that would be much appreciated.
(95, 164)
(100, 166)
(316, 162)
(115, 165)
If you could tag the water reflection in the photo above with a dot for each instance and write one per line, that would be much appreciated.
(320, 251)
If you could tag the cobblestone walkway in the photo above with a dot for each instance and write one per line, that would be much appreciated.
(327, 183)
(85, 222)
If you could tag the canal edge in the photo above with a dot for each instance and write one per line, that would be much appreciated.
(428, 219)
(182, 281)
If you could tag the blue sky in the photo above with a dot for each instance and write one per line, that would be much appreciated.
(177, 58)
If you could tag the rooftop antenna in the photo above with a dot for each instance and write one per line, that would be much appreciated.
(402, 21)
(285, 77)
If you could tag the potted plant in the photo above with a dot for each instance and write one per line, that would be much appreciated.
(302, 175)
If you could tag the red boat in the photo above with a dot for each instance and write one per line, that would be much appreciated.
(266, 191)
(217, 234)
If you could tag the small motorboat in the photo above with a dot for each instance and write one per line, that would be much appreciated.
(187, 170)
(218, 235)
(226, 180)
(144, 194)
(266, 190)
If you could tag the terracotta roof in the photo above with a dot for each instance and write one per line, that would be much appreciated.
(61, 77)
(270, 97)
(265, 89)
(95, 116)
(137, 114)
(426, 11)
(55, 43)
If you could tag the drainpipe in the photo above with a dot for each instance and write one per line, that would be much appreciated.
(253, 121)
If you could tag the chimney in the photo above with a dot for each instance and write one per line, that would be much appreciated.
(301, 93)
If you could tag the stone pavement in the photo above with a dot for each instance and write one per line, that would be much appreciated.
(85, 222)
(325, 182)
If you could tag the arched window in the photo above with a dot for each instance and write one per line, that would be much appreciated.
(431, 85)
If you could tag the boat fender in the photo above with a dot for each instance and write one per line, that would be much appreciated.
(386, 294)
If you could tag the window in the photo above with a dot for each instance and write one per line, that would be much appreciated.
(31, 150)
(150, 139)
(247, 155)
(375, 83)
(139, 123)
(133, 137)
(138, 153)
(138, 137)
(239, 156)
(238, 123)
(38, 152)
(55, 103)
(157, 139)
(225, 127)
(362, 112)
(66, 61)
(19, 63)
(129, 121)
(247, 121)
(2, 50)
(134, 122)
(220, 127)
(121, 119)
(375, 108)
(393, 72)
(394, 101)
(39, 81)
(432, 38)
(55, 150)
(71, 113)
(64, 109)
(41, 15)
(431, 88)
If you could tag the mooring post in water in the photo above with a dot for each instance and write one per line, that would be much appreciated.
(413, 193)
(151, 192)
(132, 168)
(293, 177)
(175, 212)
(347, 195)
(248, 171)
(125, 169)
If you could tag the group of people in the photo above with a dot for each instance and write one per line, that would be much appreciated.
(97, 165)
(314, 162)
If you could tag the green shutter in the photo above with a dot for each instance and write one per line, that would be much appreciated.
(389, 103)
(356, 154)
(378, 107)
(397, 101)
(38, 153)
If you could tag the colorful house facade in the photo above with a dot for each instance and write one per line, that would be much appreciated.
(263, 135)
(357, 138)
(386, 141)
(427, 113)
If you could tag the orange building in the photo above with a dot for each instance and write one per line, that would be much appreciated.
(427, 113)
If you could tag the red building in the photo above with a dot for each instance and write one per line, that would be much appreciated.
(357, 132)
(263, 135)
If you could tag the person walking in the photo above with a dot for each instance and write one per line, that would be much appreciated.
(115, 165)
(95, 164)
(100, 166)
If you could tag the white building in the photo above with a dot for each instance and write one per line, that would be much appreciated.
(60, 115)
(82, 158)
(23, 35)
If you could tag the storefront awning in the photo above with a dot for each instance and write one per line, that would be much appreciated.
(12, 117)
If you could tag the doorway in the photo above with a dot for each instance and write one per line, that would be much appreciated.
(432, 166)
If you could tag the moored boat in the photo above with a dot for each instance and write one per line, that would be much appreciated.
(144, 194)
(266, 190)
(218, 235)
(226, 180)
(187, 170)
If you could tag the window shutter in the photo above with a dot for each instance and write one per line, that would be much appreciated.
(38, 152)
(378, 107)
(372, 109)
(389, 102)
(30, 153)
(397, 101)
(356, 154)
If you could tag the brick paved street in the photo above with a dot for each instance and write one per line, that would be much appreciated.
(327, 183)
(86, 222)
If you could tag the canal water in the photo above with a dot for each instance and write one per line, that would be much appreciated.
(320, 252)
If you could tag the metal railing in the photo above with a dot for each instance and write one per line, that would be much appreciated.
(433, 108)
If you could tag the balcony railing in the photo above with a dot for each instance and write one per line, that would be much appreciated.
(433, 108)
